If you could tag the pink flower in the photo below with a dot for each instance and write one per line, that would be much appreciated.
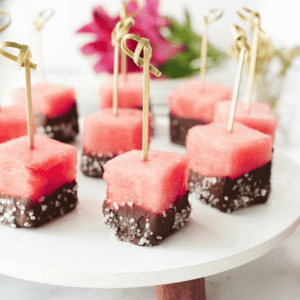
(148, 24)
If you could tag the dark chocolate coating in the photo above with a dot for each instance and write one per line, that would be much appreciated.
(61, 128)
(18, 212)
(133, 224)
(92, 165)
(179, 128)
(228, 195)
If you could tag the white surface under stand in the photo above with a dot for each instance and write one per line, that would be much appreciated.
(78, 250)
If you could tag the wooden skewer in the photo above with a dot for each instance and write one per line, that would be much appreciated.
(23, 60)
(252, 67)
(29, 101)
(210, 16)
(116, 73)
(242, 47)
(120, 30)
(39, 22)
(124, 18)
(5, 25)
(147, 56)
(253, 20)
(143, 45)
(236, 89)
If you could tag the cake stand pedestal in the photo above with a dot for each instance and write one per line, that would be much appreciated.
(187, 290)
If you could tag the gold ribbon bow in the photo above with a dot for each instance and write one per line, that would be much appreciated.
(122, 26)
(42, 18)
(20, 59)
(212, 15)
(142, 42)
(7, 23)
(240, 39)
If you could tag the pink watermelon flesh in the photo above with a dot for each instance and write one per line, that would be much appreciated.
(49, 99)
(13, 122)
(259, 118)
(130, 91)
(106, 133)
(189, 101)
(35, 172)
(153, 184)
(213, 151)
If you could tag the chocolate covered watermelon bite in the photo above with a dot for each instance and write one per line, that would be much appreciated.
(229, 170)
(192, 105)
(147, 191)
(55, 110)
(13, 122)
(146, 201)
(37, 184)
(194, 101)
(259, 117)
(106, 135)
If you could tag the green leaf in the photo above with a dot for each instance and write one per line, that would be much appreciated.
(182, 65)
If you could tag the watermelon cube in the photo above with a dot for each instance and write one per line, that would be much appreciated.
(146, 200)
(36, 184)
(106, 136)
(130, 91)
(229, 170)
(259, 117)
(190, 106)
(55, 110)
(13, 122)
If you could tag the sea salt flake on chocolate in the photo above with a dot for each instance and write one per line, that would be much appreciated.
(3, 201)
(263, 192)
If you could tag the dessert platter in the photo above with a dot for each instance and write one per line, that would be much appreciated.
(78, 250)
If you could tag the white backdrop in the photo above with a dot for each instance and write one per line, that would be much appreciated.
(61, 44)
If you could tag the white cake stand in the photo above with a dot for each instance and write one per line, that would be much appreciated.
(78, 249)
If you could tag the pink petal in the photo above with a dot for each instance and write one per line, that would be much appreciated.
(94, 47)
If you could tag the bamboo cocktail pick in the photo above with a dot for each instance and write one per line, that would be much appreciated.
(253, 20)
(39, 22)
(124, 15)
(241, 47)
(23, 60)
(7, 20)
(143, 44)
(118, 33)
(210, 16)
